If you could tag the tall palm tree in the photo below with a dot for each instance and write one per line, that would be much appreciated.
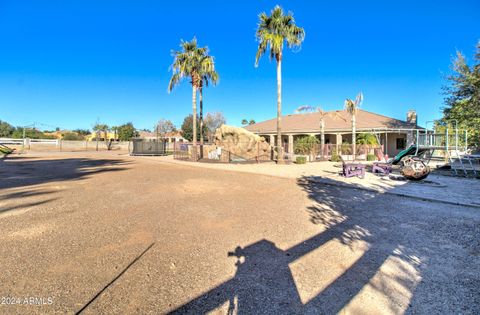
(352, 108)
(271, 34)
(187, 63)
(208, 75)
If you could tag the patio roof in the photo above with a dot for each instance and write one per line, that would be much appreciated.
(339, 120)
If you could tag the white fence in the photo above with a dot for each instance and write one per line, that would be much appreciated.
(63, 145)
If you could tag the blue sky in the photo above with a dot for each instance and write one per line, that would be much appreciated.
(67, 63)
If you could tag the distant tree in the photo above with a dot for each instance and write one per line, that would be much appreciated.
(187, 128)
(30, 133)
(6, 130)
(100, 128)
(163, 127)
(115, 132)
(462, 96)
(244, 122)
(272, 32)
(72, 136)
(213, 121)
(251, 122)
(82, 132)
(126, 132)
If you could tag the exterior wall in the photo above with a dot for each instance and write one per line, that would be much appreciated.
(391, 147)
(388, 140)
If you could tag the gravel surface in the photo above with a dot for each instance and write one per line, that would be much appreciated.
(110, 234)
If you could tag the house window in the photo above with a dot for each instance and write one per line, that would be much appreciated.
(400, 143)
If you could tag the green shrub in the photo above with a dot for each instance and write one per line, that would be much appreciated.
(335, 157)
(301, 160)
(371, 157)
(346, 148)
(305, 144)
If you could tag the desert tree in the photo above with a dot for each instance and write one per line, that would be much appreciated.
(213, 121)
(163, 127)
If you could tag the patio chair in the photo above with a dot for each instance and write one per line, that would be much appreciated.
(352, 169)
(383, 166)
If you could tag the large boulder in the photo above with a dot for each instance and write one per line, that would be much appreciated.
(242, 144)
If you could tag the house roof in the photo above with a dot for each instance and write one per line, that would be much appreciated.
(338, 120)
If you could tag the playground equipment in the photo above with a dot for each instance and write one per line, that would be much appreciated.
(453, 149)
(148, 147)
(5, 150)
(412, 166)
(428, 144)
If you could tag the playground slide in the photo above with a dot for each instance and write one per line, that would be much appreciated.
(408, 151)
(5, 150)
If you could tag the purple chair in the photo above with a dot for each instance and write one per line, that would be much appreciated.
(353, 169)
(381, 168)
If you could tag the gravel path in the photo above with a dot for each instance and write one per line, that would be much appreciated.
(111, 234)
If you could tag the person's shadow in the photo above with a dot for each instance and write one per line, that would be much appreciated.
(263, 282)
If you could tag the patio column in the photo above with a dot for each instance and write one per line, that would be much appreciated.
(272, 140)
(338, 142)
(339, 138)
(290, 143)
(386, 142)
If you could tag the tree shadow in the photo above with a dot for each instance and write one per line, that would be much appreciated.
(21, 172)
(391, 266)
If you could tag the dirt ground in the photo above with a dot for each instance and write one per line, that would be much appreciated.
(105, 233)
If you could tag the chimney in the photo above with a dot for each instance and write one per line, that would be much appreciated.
(412, 117)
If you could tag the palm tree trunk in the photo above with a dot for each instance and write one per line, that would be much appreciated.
(200, 90)
(322, 137)
(279, 111)
(194, 122)
(354, 138)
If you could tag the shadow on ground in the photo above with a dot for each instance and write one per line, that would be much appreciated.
(397, 233)
(21, 172)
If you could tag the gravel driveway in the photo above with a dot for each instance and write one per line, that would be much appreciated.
(111, 234)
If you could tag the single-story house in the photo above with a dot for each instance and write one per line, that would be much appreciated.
(394, 134)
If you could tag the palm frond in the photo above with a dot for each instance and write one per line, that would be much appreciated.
(274, 30)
